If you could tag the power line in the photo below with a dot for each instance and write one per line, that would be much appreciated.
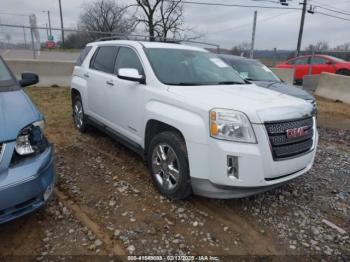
(234, 5)
(332, 10)
(325, 14)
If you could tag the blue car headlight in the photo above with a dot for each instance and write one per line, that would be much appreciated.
(31, 140)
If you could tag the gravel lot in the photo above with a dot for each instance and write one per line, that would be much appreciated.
(107, 205)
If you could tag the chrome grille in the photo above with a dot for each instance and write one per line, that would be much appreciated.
(284, 147)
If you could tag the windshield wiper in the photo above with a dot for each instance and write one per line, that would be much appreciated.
(185, 84)
(230, 83)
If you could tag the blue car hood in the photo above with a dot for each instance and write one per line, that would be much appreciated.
(16, 112)
(285, 89)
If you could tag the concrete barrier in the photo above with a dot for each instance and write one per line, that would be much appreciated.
(287, 75)
(310, 83)
(51, 73)
(334, 87)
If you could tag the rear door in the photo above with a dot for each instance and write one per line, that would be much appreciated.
(99, 77)
(321, 64)
(301, 67)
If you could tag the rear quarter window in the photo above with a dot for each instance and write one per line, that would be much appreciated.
(83, 55)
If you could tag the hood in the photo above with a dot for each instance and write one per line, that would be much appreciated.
(260, 104)
(16, 112)
(285, 89)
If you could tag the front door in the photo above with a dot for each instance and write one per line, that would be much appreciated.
(125, 99)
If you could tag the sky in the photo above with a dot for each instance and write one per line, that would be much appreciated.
(226, 26)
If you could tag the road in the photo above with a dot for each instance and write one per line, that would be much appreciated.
(42, 55)
(105, 204)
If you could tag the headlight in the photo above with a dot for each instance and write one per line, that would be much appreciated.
(231, 125)
(31, 139)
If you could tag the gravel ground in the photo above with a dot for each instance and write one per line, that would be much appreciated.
(112, 189)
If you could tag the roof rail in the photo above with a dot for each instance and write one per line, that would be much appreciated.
(147, 38)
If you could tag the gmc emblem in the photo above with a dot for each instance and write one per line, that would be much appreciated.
(297, 132)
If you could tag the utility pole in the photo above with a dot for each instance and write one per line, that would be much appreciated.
(62, 31)
(253, 34)
(301, 30)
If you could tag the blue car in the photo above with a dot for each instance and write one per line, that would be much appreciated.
(27, 174)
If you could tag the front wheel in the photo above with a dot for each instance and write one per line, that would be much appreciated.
(168, 161)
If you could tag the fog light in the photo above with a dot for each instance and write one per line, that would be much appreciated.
(232, 167)
(48, 192)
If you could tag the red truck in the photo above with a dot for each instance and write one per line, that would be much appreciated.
(315, 65)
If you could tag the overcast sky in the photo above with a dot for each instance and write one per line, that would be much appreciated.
(226, 26)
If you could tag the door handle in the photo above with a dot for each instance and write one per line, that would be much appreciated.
(86, 75)
(110, 83)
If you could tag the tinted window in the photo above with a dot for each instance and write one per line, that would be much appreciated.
(318, 60)
(190, 67)
(83, 55)
(302, 61)
(105, 59)
(127, 58)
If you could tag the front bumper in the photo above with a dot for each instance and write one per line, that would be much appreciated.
(26, 186)
(258, 171)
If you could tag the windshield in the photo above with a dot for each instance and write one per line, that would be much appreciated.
(254, 71)
(336, 59)
(191, 67)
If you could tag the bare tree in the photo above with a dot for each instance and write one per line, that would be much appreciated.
(241, 49)
(106, 16)
(342, 47)
(319, 46)
(161, 17)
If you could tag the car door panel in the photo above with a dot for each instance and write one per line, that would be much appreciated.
(100, 71)
(125, 100)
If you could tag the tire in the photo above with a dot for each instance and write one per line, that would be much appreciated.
(168, 162)
(79, 118)
(344, 72)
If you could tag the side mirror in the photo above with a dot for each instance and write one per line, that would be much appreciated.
(329, 63)
(131, 74)
(29, 79)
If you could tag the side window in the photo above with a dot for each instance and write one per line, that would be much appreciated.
(104, 59)
(127, 58)
(302, 61)
(318, 60)
(83, 55)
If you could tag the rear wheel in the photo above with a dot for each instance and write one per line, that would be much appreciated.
(168, 161)
(345, 72)
(79, 117)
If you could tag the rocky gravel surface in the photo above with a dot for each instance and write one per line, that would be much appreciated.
(118, 206)
(308, 216)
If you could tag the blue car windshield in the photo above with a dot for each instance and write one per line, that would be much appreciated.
(7, 82)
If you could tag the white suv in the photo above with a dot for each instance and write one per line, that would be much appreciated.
(201, 127)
